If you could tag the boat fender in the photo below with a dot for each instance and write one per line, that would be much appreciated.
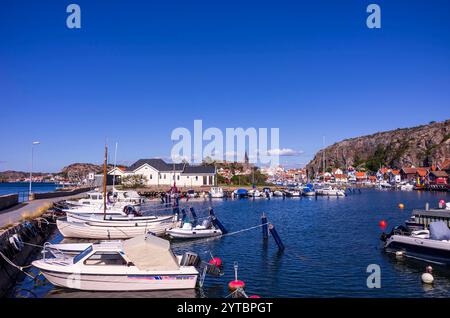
(216, 262)
(427, 278)
(235, 284)
(14, 241)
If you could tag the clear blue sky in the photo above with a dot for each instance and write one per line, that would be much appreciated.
(138, 69)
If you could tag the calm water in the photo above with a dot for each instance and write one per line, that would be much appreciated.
(329, 244)
(15, 187)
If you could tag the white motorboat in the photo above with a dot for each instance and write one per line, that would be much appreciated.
(192, 194)
(406, 187)
(187, 231)
(278, 193)
(254, 193)
(293, 193)
(308, 191)
(118, 220)
(95, 210)
(384, 184)
(330, 191)
(431, 246)
(112, 231)
(267, 193)
(216, 192)
(116, 198)
(142, 263)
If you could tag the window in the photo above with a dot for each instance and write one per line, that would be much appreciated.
(204, 180)
(196, 178)
(82, 255)
(151, 176)
(178, 177)
(105, 258)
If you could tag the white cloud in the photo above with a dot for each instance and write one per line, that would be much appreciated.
(284, 152)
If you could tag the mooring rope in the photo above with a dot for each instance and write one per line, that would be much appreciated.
(20, 268)
(217, 237)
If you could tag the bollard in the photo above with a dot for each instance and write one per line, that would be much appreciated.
(265, 229)
(194, 216)
(276, 237)
(219, 225)
(183, 216)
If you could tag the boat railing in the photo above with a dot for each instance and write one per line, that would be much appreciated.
(57, 253)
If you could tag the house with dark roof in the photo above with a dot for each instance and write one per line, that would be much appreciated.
(438, 177)
(158, 172)
(408, 174)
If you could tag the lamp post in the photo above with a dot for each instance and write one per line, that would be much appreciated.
(34, 143)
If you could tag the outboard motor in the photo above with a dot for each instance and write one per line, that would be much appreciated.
(207, 223)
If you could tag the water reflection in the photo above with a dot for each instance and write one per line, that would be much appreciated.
(66, 293)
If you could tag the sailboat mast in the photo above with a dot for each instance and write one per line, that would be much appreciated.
(104, 180)
(324, 162)
(115, 166)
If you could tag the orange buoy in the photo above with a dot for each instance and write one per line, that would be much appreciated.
(235, 284)
(216, 262)
(401, 206)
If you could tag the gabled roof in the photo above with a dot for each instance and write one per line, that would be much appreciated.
(409, 170)
(439, 174)
(199, 169)
(158, 164)
(360, 174)
(422, 172)
(445, 165)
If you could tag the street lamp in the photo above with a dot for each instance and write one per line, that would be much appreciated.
(34, 143)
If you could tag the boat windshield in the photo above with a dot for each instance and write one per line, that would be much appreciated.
(80, 256)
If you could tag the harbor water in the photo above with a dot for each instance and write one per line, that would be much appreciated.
(17, 187)
(330, 242)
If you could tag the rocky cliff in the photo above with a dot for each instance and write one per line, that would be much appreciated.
(420, 146)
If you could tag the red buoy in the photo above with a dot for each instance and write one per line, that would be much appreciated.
(235, 284)
(383, 224)
(254, 297)
(216, 262)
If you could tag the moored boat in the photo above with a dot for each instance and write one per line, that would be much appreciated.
(143, 263)
(431, 246)
(216, 192)
(107, 231)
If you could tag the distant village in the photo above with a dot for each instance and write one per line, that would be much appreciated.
(158, 172)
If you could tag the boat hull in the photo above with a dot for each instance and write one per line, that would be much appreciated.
(432, 251)
(192, 234)
(141, 282)
(109, 232)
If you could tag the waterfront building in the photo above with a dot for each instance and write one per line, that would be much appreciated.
(157, 172)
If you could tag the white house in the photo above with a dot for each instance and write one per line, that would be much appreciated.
(158, 172)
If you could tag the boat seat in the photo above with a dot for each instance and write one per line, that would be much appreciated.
(187, 226)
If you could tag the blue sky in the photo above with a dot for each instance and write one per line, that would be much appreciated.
(138, 69)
